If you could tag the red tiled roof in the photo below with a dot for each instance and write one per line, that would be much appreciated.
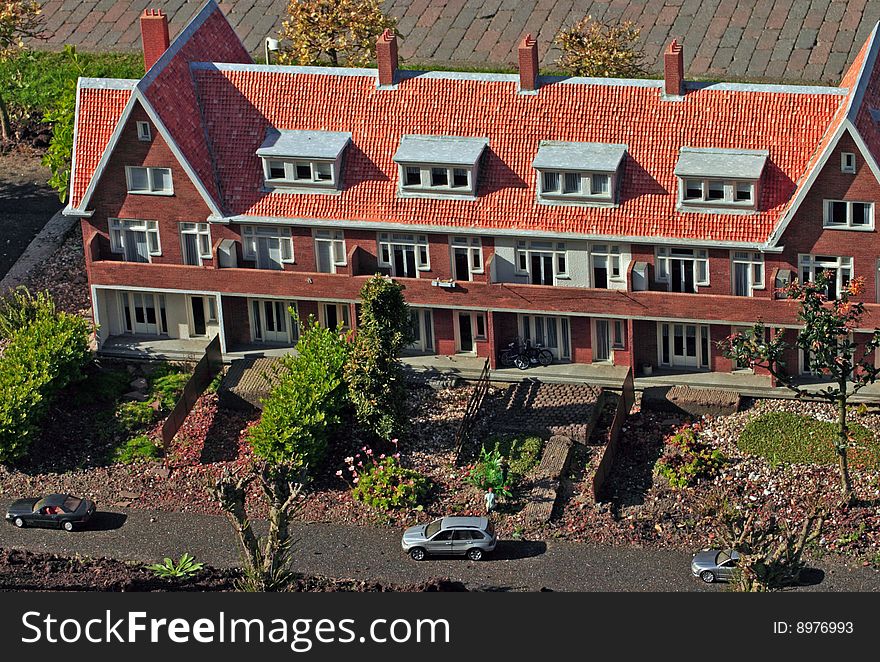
(99, 112)
(171, 93)
(238, 105)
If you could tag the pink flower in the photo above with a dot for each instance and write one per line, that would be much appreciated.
(356, 479)
(360, 464)
(382, 456)
(349, 459)
(396, 456)
(369, 451)
(394, 441)
(339, 473)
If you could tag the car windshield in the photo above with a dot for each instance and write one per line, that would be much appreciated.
(722, 557)
(432, 528)
(71, 504)
(39, 505)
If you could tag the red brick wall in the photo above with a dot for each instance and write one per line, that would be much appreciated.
(624, 356)
(717, 362)
(444, 332)
(581, 347)
(644, 344)
(235, 320)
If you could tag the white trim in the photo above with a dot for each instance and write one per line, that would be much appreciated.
(73, 149)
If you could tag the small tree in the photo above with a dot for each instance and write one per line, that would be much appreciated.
(61, 116)
(826, 338)
(302, 410)
(593, 48)
(373, 373)
(19, 20)
(341, 31)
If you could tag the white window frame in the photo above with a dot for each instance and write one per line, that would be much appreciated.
(612, 253)
(338, 255)
(143, 132)
(249, 234)
(848, 163)
(849, 225)
(558, 249)
(664, 254)
(702, 331)
(426, 180)
(151, 175)
(841, 265)
(527, 326)
(421, 248)
(756, 270)
(586, 191)
(203, 239)
(290, 172)
(730, 187)
(118, 226)
(343, 314)
(474, 247)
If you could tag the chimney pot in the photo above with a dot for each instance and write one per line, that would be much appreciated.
(154, 36)
(528, 64)
(386, 58)
(673, 69)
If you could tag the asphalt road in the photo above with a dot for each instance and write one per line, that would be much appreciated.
(374, 554)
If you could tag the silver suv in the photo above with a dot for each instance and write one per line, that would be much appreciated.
(463, 536)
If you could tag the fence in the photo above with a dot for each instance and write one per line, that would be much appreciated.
(475, 402)
(206, 369)
(624, 405)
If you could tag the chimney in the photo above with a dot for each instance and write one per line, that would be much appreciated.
(154, 35)
(528, 65)
(673, 69)
(386, 58)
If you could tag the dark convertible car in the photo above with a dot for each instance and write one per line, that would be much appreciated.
(61, 511)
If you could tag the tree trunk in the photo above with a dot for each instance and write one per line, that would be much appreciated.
(842, 443)
(5, 126)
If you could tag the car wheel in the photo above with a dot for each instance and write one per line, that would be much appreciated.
(475, 554)
(707, 576)
(417, 554)
(67, 526)
(19, 522)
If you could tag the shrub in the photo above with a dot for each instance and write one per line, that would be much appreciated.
(688, 458)
(136, 448)
(40, 360)
(782, 436)
(592, 48)
(19, 308)
(185, 567)
(304, 408)
(488, 472)
(384, 484)
(134, 416)
(167, 384)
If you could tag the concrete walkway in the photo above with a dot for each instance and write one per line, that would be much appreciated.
(793, 40)
(374, 554)
(41, 248)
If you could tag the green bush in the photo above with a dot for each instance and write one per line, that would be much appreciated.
(786, 437)
(134, 416)
(167, 384)
(19, 308)
(187, 566)
(521, 454)
(136, 448)
(688, 458)
(305, 407)
(40, 360)
(488, 472)
(385, 485)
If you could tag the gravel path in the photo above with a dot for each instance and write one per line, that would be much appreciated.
(374, 553)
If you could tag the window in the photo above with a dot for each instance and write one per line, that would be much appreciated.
(334, 314)
(848, 162)
(467, 257)
(849, 215)
(155, 181)
(839, 271)
(286, 172)
(136, 240)
(618, 334)
(575, 184)
(606, 265)
(682, 268)
(548, 332)
(270, 247)
(195, 243)
(405, 254)
(143, 131)
(542, 261)
(329, 250)
(748, 273)
(437, 178)
(480, 323)
(718, 191)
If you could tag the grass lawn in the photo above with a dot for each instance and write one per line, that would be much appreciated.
(784, 437)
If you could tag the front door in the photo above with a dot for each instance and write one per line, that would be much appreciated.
(199, 326)
(465, 333)
(145, 318)
(602, 348)
(684, 345)
(270, 321)
(462, 264)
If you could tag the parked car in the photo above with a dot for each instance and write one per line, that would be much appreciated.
(458, 536)
(712, 565)
(62, 511)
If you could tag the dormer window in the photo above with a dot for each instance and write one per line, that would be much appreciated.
(303, 160)
(143, 130)
(439, 166)
(719, 178)
(582, 173)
